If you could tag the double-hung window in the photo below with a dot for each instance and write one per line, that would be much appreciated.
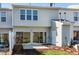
(3, 16)
(35, 15)
(22, 14)
(29, 13)
(75, 16)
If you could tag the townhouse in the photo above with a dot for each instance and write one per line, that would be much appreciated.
(35, 25)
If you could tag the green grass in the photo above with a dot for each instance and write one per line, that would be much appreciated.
(44, 52)
(54, 52)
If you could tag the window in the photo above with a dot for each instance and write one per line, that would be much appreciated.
(35, 17)
(75, 16)
(29, 14)
(22, 14)
(3, 16)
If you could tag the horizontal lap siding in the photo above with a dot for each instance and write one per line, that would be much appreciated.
(31, 29)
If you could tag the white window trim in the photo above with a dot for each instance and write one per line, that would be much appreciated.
(20, 14)
(5, 14)
(77, 16)
(26, 14)
(32, 15)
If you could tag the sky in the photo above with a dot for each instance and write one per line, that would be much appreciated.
(7, 5)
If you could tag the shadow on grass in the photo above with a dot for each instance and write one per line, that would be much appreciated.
(27, 52)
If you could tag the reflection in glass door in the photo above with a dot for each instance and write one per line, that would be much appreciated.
(39, 37)
(0, 37)
(4, 39)
(23, 36)
(76, 35)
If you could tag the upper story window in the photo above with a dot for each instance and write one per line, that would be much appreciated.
(3, 16)
(22, 14)
(75, 16)
(35, 15)
(29, 13)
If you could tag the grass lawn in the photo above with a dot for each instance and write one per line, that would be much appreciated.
(54, 52)
(43, 52)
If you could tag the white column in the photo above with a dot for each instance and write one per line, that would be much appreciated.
(13, 39)
(71, 33)
(59, 35)
(10, 41)
(31, 37)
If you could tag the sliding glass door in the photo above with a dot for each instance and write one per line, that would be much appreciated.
(4, 39)
(27, 37)
(23, 36)
(39, 37)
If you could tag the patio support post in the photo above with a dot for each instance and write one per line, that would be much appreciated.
(71, 33)
(10, 42)
(43, 37)
(31, 37)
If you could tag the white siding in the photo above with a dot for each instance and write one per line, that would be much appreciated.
(8, 23)
(68, 16)
(44, 18)
(66, 37)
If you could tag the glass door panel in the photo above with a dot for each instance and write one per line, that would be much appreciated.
(38, 37)
(26, 37)
(0, 38)
(45, 34)
(5, 38)
(19, 36)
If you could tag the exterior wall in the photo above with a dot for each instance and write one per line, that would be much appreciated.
(59, 34)
(44, 18)
(36, 29)
(76, 28)
(4, 30)
(8, 23)
(56, 33)
(66, 37)
(53, 33)
(68, 16)
(31, 30)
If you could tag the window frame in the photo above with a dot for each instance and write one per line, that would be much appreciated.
(35, 15)
(3, 16)
(76, 17)
(26, 13)
(22, 14)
